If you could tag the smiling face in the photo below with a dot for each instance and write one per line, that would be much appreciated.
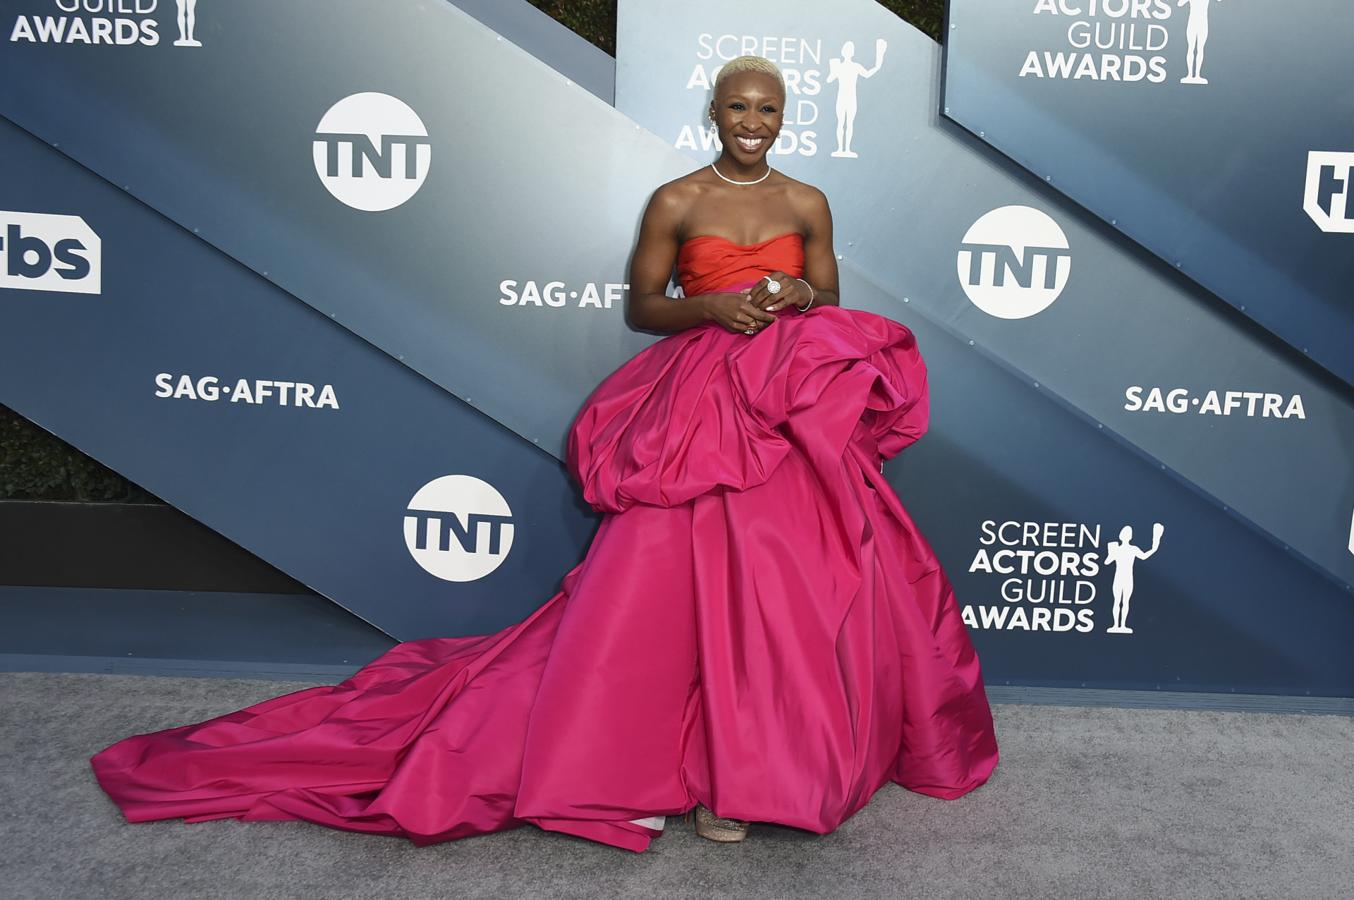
(748, 109)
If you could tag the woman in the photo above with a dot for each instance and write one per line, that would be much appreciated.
(757, 632)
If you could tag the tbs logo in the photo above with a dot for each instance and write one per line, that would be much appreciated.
(372, 151)
(42, 252)
(1329, 199)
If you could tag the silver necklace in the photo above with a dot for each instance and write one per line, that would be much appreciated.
(762, 177)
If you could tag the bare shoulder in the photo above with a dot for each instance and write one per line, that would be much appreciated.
(809, 203)
(685, 188)
(674, 199)
(807, 199)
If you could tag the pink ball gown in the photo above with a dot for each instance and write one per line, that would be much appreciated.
(757, 625)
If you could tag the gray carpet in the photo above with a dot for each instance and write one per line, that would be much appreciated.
(1086, 803)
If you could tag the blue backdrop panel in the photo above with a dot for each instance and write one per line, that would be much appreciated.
(322, 492)
(402, 169)
(936, 217)
(1005, 467)
(1191, 127)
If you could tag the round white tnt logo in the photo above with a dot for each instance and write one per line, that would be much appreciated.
(372, 151)
(458, 528)
(1014, 262)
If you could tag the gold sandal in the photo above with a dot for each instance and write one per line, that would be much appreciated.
(715, 828)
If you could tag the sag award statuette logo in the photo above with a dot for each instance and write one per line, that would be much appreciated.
(187, 21)
(1122, 554)
(845, 71)
(1196, 35)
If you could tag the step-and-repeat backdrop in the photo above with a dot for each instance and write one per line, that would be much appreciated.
(338, 292)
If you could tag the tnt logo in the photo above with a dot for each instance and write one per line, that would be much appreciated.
(42, 252)
(372, 151)
(1329, 200)
(458, 528)
(1014, 262)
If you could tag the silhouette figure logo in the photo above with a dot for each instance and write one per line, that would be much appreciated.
(845, 72)
(458, 528)
(1014, 262)
(1196, 37)
(1122, 554)
(187, 22)
(372, 151)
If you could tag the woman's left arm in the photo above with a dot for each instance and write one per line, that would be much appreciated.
(819, 284)
(820, 262)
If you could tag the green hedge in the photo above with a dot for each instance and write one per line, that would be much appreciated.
(36, 465)
(596, 19)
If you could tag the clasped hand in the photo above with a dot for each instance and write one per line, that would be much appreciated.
(753, 308)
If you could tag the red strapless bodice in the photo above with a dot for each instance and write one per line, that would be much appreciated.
(710, 263)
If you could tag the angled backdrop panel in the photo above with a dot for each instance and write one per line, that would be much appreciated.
(403, 169)
(1021, 504)
(170, 369)
(1218, 135)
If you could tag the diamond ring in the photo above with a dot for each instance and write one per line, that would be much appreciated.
(749, 331)
(772, 286)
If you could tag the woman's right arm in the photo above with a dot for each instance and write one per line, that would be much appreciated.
(648, 305)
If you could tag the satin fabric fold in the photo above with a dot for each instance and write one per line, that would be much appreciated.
(758, 624)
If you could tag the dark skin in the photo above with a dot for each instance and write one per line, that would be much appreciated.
(748, 104)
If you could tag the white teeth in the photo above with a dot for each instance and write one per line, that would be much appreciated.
(750, 143)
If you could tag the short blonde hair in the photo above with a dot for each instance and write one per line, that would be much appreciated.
(749, 64)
